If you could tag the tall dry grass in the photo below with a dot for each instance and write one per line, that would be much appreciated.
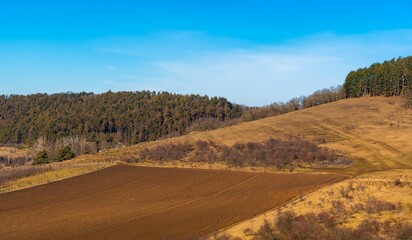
(13, 173)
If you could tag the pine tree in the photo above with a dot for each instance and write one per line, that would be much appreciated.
(41, 157)
(65, 153)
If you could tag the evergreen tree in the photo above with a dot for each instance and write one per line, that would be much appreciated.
(390, 78)
(108, 118)
(41, 157)
(65, 153)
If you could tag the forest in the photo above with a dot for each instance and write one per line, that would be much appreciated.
(91, 122)
(390, 78)
(108, 118)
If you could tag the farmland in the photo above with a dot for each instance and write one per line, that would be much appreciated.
(148, 203)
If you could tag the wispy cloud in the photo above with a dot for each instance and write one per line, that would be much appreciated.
(256, 74)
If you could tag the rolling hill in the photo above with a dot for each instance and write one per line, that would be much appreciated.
(373, 131)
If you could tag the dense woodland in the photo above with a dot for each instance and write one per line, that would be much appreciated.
(390, 78)
(89, 122)
(109, 118)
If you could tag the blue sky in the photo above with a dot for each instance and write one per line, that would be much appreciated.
(252, 52)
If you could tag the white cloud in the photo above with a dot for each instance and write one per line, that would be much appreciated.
(250, 74)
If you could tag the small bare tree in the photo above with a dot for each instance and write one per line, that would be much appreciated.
(40, 144)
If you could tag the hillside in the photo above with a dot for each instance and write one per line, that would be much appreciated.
(374, 131)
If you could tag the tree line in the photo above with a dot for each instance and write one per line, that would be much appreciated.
(326, 95)
(390, 78)
(104, 120)
(89, 122)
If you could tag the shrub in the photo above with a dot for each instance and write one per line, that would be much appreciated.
(130, 159)
(266, 231)
(65, 153)
(404, 232)
(338, 208)
(276, 153)
(367, 229)
(326, 219)
(376, 206)
(284, 221)
(41, 157)
(166, 152)
(248, 232)
(357, 207)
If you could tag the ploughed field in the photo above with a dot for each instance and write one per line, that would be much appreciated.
(126, 202)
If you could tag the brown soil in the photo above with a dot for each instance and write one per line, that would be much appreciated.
(124, 202)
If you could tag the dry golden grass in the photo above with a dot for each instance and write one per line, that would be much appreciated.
(58, 171)
(393, 186)
(14, 152)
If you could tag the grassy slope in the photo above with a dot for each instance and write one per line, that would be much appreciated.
(378, 185)
(376, 132)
